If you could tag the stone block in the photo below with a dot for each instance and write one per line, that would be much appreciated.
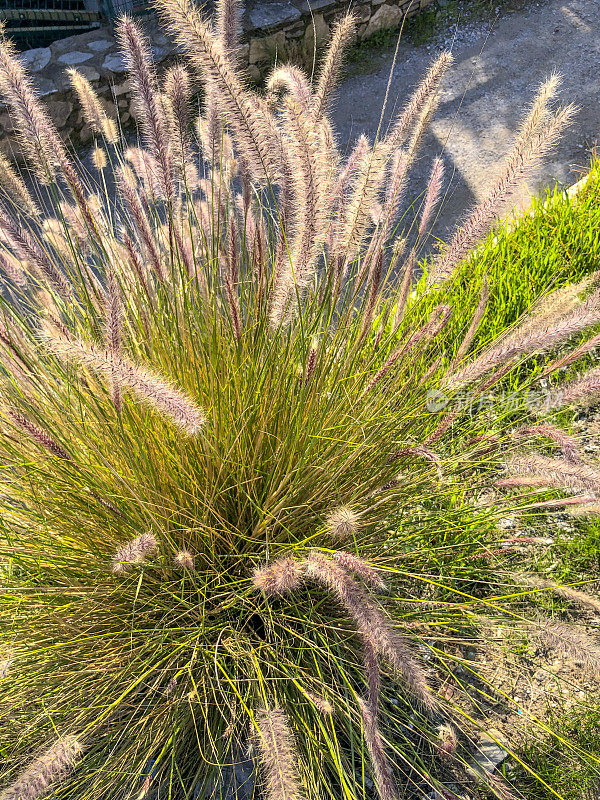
(75, 57)
(273, 15)
(89, 72)
(265, 48)
(114, 63)
(44, 87)
(386, 16)
(59, 111)
(317, 29)
(100, 45)
(122, 88)
(362, 13)
(36, 59)
(308, 8)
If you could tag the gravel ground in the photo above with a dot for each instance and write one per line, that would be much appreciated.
(498, 66)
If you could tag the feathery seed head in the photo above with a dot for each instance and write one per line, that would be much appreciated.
(276, 751)
(359, 567)
(47, 770)
(134, 552)
(279, 577)
(99, 158)
(448, 740)
(343, 523)
(185, 559)
(321, 703)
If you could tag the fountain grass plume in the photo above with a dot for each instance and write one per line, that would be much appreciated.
(138, 58)
(280, 577)
(14, 190)
(570, 643)
(343, 523)
(93, 112)
(134, 552)
(342, 34)
(46, 771)
(277, 754)
(382, 774)
(36, 132)
(372, 625)
(148, 387)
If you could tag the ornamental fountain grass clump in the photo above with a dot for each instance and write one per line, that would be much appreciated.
(230, 520)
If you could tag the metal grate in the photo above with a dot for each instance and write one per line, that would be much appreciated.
(114, 8)
(36, 23)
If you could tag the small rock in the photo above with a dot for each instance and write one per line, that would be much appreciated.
(36, 59)
(114, 63)
(89, 72)
(45, 87)
(490, 754)
(266, 47)
(75, 57)
(100, 45)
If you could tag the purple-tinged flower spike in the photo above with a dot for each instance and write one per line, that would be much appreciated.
(535, 469)
(26, 246)
(342, 33)
(571, 643)
(311, 361)
(566, 443)
(432, 195)
(148, 387)
(39, 140)
(185, 560)
(321, 703)
(91, 107)
(14, 189)
(359, 567)
(527, 152)
(280, 577)
(139, 62)
(424, 92)
(448, 740)
(371, 623)
(229, 23)
(566, 592)
(255, 128)
(277, 754)
(342, 523)
(113, 322)
(462, 351)
(373, 676)
(139, 219)
(382, 773)
(134, 552)
(47, 770)
(567, 359)
(13, 268)
(39, 435)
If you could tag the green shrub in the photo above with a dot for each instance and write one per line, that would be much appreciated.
(232, 517)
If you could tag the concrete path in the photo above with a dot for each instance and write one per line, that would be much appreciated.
(497, 69)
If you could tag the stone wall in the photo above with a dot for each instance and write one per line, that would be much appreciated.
(282, 30)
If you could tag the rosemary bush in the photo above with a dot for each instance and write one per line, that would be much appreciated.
(231, 521)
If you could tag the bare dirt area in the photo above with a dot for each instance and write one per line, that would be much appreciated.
(499, 63)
